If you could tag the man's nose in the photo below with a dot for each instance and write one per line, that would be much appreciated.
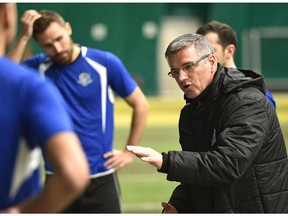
(57, 47)
(182, 74)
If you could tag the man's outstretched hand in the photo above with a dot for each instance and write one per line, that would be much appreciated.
(147, 155)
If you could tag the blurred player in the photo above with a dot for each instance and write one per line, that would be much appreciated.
(224, 40)
(32, 118)
(86, 78)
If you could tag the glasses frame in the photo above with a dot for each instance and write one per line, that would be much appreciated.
(190, 64)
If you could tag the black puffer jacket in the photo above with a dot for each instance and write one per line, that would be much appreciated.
(234, 157)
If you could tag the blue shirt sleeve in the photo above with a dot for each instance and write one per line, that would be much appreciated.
(270, 98)
(118, 76)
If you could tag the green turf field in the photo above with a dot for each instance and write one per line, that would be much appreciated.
(142, 187)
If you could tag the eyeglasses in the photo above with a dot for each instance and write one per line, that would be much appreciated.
(174, 73)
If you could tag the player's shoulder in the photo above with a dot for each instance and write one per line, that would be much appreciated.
(12, 70)
(7, 64)
(15, 75)
(97, 54)
(40, 58)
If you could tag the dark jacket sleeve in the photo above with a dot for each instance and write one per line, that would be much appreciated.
(243, 130)
(181, 199)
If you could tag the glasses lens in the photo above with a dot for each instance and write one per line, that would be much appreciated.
(188, 67)
(174, 73)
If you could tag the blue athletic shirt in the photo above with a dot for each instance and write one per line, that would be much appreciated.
(30, 114)
(87, 87)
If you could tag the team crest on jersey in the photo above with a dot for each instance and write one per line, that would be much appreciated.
(85, 79)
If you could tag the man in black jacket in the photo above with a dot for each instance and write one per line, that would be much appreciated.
(233, 156)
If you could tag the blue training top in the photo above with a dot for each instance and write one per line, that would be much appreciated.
(87, 87)
(30, 115)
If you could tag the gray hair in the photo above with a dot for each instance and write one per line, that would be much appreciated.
(199, 43)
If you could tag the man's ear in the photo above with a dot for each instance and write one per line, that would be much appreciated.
(68, 28)
(212, 60)
(230, 50)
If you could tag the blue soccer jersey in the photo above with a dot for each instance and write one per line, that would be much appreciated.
(30, 114)
(87, 87)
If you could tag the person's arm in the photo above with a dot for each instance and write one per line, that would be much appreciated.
(140, 107)
(181, 200)
(238, 150)
(70, 179)
(27, 21)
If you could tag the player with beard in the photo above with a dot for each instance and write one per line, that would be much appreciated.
(86, 78)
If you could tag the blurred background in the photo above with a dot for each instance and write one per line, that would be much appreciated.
(139, 34)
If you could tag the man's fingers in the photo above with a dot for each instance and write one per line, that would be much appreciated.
(138, 150)
(108, 154)
(164, 205)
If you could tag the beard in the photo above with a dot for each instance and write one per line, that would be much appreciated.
(64, 58)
